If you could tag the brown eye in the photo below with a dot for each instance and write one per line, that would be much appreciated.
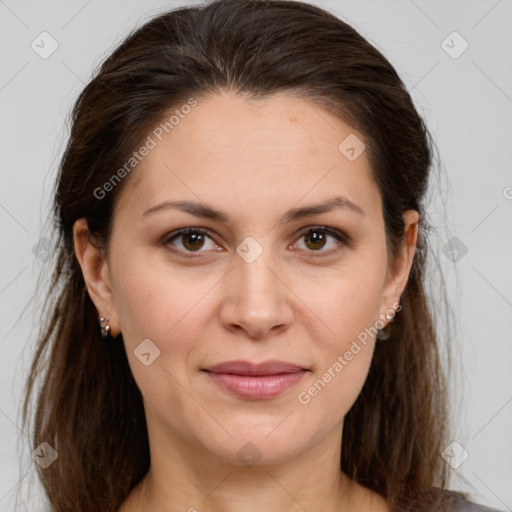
(192, 241)
(317, 239)
(187, 241)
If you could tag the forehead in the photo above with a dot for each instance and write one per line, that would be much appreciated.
(228, 150)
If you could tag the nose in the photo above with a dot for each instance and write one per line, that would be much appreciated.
(257, 300)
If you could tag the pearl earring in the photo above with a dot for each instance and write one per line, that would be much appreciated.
(384, 334)
(105, 327)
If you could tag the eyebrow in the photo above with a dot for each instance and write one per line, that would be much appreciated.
(207, 212)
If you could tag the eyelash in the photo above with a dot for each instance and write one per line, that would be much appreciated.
(338, 235)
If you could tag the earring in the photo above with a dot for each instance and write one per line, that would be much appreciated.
(384, 334)
(105, 327)
(390, 317)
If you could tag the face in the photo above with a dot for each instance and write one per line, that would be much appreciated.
(259, 276)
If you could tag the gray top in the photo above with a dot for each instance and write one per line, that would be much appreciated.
(466, 506)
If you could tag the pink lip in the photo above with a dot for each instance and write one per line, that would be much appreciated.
(256, 381)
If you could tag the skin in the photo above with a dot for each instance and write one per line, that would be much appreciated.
(254, 161)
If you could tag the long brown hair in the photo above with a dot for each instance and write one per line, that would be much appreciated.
(88, 406)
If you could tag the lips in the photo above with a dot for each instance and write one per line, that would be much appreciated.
(255, 380)
(240, 367)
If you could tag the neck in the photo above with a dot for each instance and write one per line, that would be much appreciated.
(185, 478)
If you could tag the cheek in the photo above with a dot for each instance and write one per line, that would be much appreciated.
(350, 304)
(168, 306)
(137, 305)
(349, 307)
(160, 308)
(154, 300)
(343, 364)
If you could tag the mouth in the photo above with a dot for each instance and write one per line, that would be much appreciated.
(255, 380)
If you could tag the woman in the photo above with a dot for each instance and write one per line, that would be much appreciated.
(239, 318)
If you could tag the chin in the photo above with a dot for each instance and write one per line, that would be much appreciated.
(259, 442)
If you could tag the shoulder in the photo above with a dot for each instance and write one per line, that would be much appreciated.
(445, 500)
(464, 505)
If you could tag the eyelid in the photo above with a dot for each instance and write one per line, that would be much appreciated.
(343, 239)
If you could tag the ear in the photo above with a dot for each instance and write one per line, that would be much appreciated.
(398, 273)
(96, 272)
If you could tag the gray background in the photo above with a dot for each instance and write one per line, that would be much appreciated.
(467, 102)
